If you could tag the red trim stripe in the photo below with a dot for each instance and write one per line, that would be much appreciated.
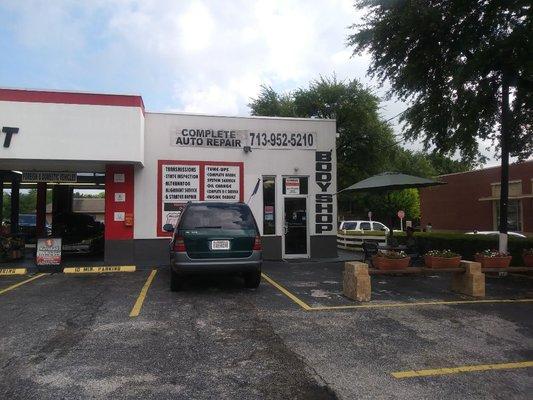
(42, 96)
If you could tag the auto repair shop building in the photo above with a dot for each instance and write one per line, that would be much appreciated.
(151, 164)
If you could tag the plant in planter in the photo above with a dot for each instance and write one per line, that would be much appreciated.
(391, 260)
(493, 259)
(527, 256)
(442, 259)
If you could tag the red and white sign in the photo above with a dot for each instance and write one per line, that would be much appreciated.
(401, 214)
(292, 186)
(48, 251)
(182, 181)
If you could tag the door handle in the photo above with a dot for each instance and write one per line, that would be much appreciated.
(286, 228)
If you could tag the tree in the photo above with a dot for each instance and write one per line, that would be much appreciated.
(444, 165)
(364, 141)
(465, 68)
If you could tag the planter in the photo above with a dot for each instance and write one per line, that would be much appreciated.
(442, 262)
(390, 263)
(494, 262)
(528, 260)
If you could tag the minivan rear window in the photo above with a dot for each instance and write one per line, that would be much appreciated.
(217, 216)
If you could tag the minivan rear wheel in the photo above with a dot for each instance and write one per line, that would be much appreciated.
(252, 279)
(176, 281)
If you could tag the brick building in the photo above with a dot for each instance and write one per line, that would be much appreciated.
(470, 200)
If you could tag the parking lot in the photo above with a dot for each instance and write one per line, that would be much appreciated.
(125, 335)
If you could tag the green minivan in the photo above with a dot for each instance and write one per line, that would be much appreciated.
(213, 237)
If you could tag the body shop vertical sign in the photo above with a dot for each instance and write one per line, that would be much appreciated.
(323, 199)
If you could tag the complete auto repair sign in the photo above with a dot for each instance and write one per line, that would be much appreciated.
(182, 181)
(241, 138)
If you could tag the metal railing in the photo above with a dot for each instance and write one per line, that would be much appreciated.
(355, 241)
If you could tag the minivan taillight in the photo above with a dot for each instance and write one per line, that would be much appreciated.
(257, 243)
(179, 245)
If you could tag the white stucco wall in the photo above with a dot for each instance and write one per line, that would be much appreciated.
(279, 162)
(72, 132)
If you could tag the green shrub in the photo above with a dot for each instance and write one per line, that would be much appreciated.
(468, 245)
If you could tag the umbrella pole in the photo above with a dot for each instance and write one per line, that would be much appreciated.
(391, 218)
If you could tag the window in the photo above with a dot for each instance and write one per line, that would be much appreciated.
(295, 185)
(269, 205)
(217, 216)
(514, 215)
(378, 226)
(349, 226)
(365, 226)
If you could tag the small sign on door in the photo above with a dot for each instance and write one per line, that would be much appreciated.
(292, 186)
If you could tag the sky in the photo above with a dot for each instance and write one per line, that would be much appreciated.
(189, 56)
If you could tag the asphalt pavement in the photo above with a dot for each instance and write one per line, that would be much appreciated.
(72, 337)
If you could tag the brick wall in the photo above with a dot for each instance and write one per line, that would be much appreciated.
(456, 205)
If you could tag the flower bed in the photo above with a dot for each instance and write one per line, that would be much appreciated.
(442, 259)
(493, 259)
(391, 260)
(469, 245)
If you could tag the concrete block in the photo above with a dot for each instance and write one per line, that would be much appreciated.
(356, 281)
(471, 282)
(470, 266)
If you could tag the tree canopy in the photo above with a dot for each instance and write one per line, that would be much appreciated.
(450, 60)
(364, 139)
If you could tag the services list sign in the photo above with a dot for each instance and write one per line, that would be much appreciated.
(222, 183)
(182, 181)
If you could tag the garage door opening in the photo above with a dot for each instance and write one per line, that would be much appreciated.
(70, 206)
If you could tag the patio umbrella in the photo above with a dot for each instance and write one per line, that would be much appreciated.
(388, 181)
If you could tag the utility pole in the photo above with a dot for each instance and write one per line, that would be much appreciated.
(504, 180)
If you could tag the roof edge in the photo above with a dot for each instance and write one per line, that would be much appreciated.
(192, 114)
(485, 169)
(71, 97)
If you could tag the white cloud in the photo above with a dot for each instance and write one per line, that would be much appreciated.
(212, 56)
(196, 27)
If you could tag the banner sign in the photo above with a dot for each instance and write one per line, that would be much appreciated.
(48, 251)
(41, 176)
(182, 181)
(238, 139)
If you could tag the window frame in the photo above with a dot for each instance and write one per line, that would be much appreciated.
(274, 178)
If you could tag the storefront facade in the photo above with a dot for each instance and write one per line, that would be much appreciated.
(154, 163)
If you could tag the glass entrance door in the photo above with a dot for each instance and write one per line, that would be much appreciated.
(295, 227)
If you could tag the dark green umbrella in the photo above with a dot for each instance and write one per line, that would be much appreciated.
(387, 181)
(391, 181)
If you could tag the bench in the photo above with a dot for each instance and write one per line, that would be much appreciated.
(468, 279)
